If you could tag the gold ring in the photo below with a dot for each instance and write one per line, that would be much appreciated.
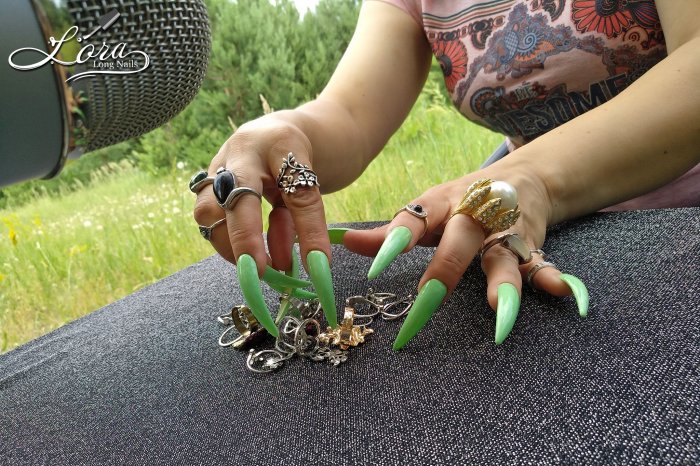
(492, 204)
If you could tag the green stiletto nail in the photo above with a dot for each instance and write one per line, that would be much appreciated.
(294, 272)
(296, 292)
(395, 242)
(278, 278)
(428, 299)
(335, 235)
(320, 272)
(506, 311)
(580, 292)
(285, 304)
(250, 285)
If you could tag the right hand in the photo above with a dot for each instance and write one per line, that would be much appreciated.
(254, 155)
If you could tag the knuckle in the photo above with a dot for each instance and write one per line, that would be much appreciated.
(452, 263)
(304, 201)
(206, 209)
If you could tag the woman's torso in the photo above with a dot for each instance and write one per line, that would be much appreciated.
(523, 67)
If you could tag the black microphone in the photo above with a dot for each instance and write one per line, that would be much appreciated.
(79, 75)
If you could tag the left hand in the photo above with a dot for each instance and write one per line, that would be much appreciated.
(458, 239)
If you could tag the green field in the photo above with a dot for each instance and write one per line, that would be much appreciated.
(64, 256)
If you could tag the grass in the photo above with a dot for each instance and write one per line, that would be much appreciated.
(61, 258)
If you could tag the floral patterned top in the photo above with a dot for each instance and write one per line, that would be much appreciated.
(523, 67)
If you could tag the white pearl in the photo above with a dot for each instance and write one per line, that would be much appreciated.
(507, 193)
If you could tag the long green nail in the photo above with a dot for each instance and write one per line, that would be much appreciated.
(428, 299)
(285, 304)
(278, 278)
(335, 235)
(320, 273)
(395, 242)
(506, 311)
(250, 285)
(580, 292)
(294, 273)
(296, 292)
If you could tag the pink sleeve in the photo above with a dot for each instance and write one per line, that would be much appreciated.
(412, 7)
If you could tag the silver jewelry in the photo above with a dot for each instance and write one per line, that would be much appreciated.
(207, 231)
(235, 195)
(293, 175)
(300, 330)
(513, 243)
(540, 252)
(536, 268)
(417, 211)
(227, 191)
(199, 180)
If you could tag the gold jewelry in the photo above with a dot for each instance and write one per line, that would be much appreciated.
(492, 204)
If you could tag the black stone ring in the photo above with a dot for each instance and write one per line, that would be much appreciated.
(199, 180)
(418, 211)
(227, 191)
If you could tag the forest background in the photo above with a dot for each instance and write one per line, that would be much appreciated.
(120, 218)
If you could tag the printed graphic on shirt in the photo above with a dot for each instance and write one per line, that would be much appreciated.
(523, 45)
(523, 67)
(614, 17)
(531, 109)
(553, 7)
(452, 56)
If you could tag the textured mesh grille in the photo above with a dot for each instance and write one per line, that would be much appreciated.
(176, 36)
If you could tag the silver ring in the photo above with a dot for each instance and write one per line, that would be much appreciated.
(540, 252)
(199, 180)
(513, 243)
(293, 175)
(235, 195)
(207, 231)
(417, 211)
(536, 268)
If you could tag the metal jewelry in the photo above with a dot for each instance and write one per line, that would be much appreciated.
(536, 268)
(199, 180)
(540, 252)
(207, 231)
(300, 330)
(513, 243)
(241, 319)
(418, 211)
(492, 204)
(293, 175)
(227, 191)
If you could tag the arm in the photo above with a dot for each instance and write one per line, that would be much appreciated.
(369, 95)
(643, 138)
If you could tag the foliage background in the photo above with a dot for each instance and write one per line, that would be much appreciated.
(121, 218)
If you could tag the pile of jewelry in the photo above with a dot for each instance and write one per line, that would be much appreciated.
(300, 322)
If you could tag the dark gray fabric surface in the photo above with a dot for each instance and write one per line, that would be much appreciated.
(142, 381)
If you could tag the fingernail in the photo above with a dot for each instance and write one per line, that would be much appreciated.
(285, 304)
(580, 292)
(335, 235)
(250, 285)
(395, 242)
(428, 299)
(278, 278)
(320, 273)
(294, 272)
(506, 311)
(296, 292)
